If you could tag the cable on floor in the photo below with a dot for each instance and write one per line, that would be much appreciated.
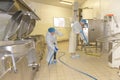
(84, 73)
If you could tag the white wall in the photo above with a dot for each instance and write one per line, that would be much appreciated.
(47, 13)
(103, 7)
(94, 5)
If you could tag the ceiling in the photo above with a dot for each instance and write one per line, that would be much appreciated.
(56, 2)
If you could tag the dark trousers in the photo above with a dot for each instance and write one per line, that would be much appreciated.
(54, 55)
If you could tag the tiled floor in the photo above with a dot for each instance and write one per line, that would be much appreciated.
(92, 65)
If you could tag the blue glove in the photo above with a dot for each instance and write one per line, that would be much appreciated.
(56, 49)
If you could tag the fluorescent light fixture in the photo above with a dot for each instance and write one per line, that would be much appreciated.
(66, 2)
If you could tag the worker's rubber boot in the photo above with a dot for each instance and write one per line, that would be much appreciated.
(55, 61)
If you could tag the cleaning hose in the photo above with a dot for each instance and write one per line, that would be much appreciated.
(50, 59)
(84, 37)
(84, 73)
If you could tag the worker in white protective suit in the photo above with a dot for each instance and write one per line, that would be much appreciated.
(76, 29)
(51, 41)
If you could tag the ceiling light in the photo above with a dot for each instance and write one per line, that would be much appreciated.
(66, 2)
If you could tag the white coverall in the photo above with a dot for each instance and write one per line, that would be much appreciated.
(76, 28)
(50, 40)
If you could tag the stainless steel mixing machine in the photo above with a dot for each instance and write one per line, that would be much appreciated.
(16, 43)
